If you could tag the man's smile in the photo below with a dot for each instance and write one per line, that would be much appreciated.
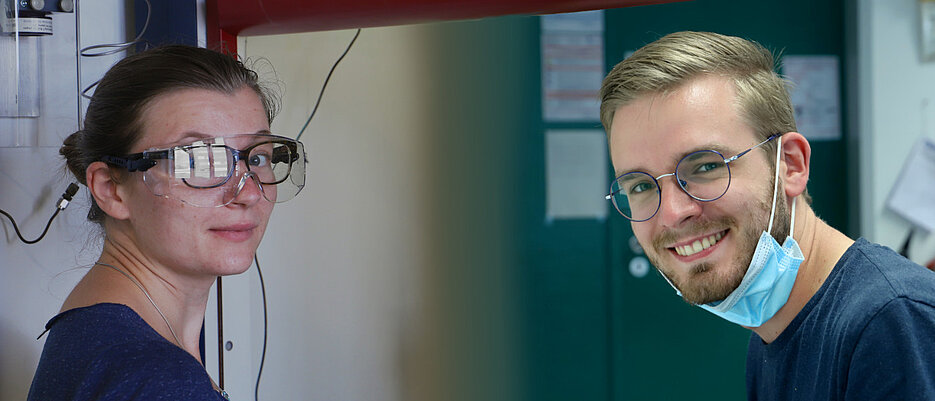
(698, 247)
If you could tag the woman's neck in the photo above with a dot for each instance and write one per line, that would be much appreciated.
(125, 275)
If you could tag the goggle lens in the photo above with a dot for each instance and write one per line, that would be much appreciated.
(212, 172)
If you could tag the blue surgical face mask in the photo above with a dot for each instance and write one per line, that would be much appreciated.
(766, 286)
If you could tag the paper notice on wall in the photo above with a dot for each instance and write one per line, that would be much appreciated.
(572, 66)
(576, 174)
(815, 95)
(913, 194)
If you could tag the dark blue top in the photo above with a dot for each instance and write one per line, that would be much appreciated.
(867, 334)
(107, 352)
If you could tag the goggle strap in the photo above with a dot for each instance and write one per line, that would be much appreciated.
(130, 164)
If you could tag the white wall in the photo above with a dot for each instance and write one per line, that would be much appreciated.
(340, 260)
(387, 277)
(897, 106)
(34, 279)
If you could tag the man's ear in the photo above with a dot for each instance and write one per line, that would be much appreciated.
(106, 191)
(795, 153)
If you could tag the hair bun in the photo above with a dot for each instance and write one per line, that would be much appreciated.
(71, 150)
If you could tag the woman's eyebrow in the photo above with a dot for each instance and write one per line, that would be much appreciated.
(190, 136)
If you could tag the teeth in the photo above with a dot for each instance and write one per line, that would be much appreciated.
(698, 245)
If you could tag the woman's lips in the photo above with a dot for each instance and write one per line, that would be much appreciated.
(235, 233)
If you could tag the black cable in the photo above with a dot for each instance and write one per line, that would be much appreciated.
(904, 250)
(325, 85)
(62, 204)
(91, 51)
(259, 375)
(256, 390)
(220, 295)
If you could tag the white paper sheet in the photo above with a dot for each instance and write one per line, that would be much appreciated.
(815, 95)
(576, 174)
(572, 66)
(913, 194)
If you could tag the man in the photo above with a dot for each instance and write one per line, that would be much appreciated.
(708, 161)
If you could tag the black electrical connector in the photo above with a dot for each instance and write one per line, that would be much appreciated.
(61, 205)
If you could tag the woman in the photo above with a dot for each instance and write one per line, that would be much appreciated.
(183, 172)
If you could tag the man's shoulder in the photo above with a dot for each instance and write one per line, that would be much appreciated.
(895, 335)
(868, 322)
(870, 281)
(876, 273)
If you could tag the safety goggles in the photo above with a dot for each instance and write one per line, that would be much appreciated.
(211, 172)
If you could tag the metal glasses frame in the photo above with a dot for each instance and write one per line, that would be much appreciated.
(682, 183)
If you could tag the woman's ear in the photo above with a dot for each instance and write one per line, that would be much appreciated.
(106, 191)
(795, 153)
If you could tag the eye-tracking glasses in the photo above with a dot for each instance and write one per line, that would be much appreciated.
(704, 175)
(200, 173)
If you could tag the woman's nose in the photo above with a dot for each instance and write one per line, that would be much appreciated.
(249, 190)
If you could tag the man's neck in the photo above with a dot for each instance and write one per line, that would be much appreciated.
(822, 246)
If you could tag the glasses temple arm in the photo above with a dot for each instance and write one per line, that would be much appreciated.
(771, 137)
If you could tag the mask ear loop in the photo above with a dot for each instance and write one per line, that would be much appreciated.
(772, 212)
(792, 223)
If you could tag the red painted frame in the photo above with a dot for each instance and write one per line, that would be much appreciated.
(226, 19)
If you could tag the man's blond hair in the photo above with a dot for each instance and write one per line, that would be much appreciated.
(762, 96)
(676, 58)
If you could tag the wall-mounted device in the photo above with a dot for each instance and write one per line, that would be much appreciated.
(34, 17)
(23, 24)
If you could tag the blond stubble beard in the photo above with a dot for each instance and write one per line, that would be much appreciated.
(704, 283)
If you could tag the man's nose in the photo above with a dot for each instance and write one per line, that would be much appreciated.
(676, 206)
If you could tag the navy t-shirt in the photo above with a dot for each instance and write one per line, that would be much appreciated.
(867, 334)
(107, 352)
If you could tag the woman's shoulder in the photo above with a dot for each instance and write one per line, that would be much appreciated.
(107, 351)
(112, 313)
(147, 369)
(98, 325)
(114, 333)
(145, 354)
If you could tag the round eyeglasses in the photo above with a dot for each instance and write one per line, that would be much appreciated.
(213, 171)
(704, 175)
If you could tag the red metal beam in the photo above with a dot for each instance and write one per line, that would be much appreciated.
(218, 38)
(265, 17)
